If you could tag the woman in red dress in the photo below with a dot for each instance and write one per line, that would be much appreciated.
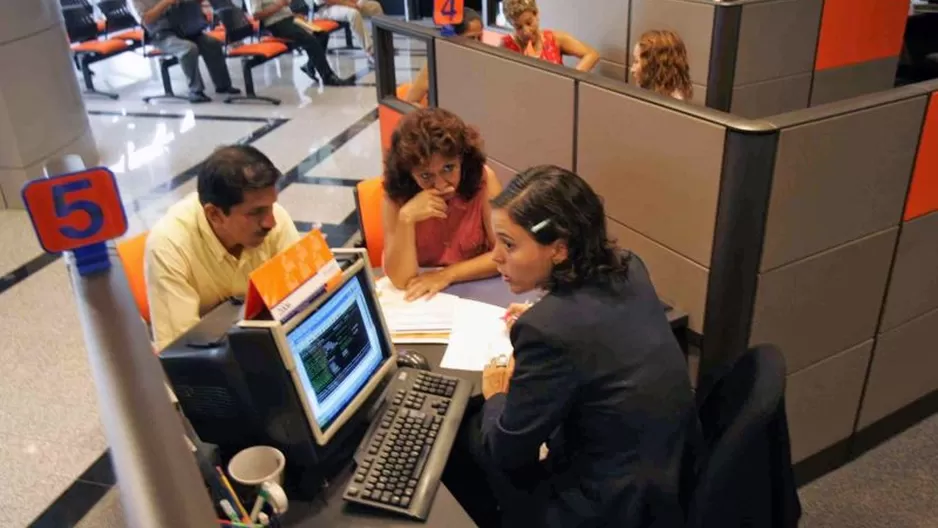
(545, 44)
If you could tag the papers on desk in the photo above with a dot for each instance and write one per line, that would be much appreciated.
(474, 331)
(479, 334)
(420, 321)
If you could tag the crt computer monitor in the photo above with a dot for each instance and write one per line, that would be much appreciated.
(295, 386)
(337, 352)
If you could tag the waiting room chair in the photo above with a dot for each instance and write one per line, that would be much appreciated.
(120, 23)
(131, 252)
(349, 40)
(237, 29)
(369, 202)
(746, 478)
(83, 34)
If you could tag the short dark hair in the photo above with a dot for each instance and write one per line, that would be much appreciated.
(230, 171)
(419, 136)
(468, 16)
(555, 204)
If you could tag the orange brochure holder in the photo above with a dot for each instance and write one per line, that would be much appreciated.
(292, 279)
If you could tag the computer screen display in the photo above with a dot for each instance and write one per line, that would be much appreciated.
(337, 349)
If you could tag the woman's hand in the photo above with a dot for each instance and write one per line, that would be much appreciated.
(513, 312)
(427, 284)
(426, 204)
(496, 376)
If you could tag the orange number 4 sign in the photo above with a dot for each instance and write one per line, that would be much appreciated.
(448, 12)
(75, 210)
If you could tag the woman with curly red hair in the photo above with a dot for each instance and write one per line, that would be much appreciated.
(659, 63)
(436, 211)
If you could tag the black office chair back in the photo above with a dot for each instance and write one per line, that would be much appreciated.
(746, 479)
(117, 15)
(79, 20)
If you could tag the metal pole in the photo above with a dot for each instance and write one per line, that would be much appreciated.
(160, 485)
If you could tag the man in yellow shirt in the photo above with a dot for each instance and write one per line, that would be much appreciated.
(202, 251)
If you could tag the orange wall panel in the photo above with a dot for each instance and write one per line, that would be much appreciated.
(923, 192)
(856, 31)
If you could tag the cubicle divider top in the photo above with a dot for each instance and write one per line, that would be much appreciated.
(806, 229)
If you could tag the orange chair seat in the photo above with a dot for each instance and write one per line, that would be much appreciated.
(325, 25)
(404, 89)
(271, 38)
(133, 35)
(217, 34)
(267, 50)
(102, 47)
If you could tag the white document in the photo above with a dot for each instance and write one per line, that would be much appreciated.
(479, 334)
(421, 321)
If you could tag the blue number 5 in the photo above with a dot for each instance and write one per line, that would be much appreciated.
(64, 209)
(449, 8)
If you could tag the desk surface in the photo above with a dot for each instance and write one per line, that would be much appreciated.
(331, 510)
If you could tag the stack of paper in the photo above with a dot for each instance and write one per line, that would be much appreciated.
(420, 321)
(479, 335)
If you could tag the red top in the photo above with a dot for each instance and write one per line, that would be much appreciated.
(458, 237)
(550, 51)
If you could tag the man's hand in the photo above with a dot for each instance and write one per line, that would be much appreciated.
(427, 284)
(496, 377)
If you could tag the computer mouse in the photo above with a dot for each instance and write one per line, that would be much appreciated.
(412, 359)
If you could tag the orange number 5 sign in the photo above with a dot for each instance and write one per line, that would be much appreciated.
(448, 12)
(75, 210)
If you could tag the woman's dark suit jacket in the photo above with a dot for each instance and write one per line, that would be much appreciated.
(599, 373)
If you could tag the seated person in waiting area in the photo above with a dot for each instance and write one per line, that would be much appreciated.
(659, 63)
(277, 18)
(548, 45)
(352, 12)
(436, 213)
(471, 27)
(176, 27)
(202, 251)
(597, 373)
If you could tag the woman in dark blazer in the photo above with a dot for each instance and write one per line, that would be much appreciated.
(596, 375)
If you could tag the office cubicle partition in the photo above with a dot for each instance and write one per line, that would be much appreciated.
(758, 58)
(813, 230)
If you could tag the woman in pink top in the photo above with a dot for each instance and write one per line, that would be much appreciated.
(436, 212)
(547, 45)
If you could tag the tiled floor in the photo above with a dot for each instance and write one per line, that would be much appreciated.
(323, 139)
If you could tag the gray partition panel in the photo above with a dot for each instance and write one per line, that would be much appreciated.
(612, 70)
(822, 400)
(679, 281)
(693, 21)
(840, 178)
(836, 84)
(825, 303)
(657, 169)
(502, 171)
(603, 24)
(777, 39)
(771, 97)
(539, 131)
(913, 289)
(905, 368)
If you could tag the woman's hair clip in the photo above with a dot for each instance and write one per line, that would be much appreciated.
(540, 225)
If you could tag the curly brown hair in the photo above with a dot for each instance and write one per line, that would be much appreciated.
(663, 64)
(553, 204)
(420, 135)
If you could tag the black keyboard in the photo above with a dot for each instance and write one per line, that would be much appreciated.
(401, 460)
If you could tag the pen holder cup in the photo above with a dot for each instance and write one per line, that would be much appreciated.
(253, 466)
